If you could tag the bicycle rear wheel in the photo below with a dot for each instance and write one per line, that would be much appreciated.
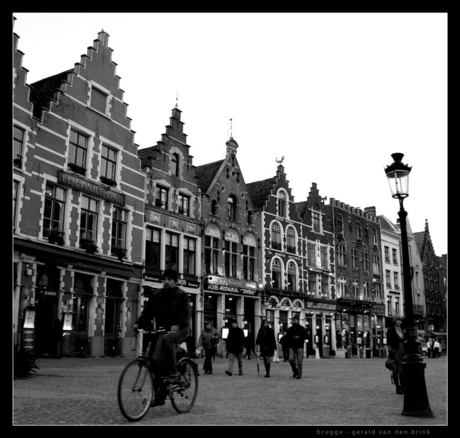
(183, 394)
(135, 390)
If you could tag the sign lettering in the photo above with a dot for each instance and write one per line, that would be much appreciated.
(100, 191)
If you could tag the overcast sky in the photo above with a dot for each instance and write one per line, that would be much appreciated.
(335, 94)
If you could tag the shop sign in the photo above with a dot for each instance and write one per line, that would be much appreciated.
(356, 304)
(180, 282)
(92, 188)
(230, 289)
(324, 306)
(318, 271)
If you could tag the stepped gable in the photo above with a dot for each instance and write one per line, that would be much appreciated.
(146, 154)
(43, 90)
(206, 173)
(259, 191)
(92, 70)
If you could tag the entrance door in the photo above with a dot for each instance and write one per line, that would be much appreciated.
(46, 312)
(80, 324)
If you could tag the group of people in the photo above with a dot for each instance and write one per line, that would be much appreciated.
(434, 348)
(238, 346)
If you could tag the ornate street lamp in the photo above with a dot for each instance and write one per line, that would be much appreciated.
(415, 395)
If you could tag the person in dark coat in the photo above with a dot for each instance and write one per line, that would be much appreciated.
(266, 344)
(170, 307)
(395, 343)
(57, 337)
(284, 345)
(209, 338)
(235, 345)
(248, 346)
(296, 335)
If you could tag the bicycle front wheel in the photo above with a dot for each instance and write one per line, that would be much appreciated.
(183, 394)
(135, 390)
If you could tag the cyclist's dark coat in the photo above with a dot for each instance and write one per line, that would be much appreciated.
(169, 307)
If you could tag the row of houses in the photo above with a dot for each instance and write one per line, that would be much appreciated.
(96, 220)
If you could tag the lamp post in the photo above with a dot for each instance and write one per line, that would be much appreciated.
(415, 395)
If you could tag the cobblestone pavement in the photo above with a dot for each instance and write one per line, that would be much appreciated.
(332, 392)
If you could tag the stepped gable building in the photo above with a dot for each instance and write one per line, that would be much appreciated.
(432, 279)
(231, 245)
(359, 280)
(78, 208)
(283, 262)
(172, 216)
(319, 274)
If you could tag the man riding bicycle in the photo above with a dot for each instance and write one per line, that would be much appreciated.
(171, 309)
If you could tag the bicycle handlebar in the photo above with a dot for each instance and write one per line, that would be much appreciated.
(153, 332)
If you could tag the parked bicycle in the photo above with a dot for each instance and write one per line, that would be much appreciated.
(136, 389)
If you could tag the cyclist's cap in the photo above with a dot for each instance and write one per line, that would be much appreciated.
(170, 273)
(295, 317)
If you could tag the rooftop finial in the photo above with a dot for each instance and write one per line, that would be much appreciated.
(177, 99)
(231, 125)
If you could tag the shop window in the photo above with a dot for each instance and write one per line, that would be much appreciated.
(152, 248)
(189, 256)
(172, 251)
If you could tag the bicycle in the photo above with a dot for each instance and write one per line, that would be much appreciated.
(136, 384)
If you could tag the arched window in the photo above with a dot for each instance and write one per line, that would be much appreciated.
(340, 223)
(175, 164)
(290, 233)
(281, 204)
(231, 207)
(276, 274)
(292, 277)
(359, 233)
(276, 236)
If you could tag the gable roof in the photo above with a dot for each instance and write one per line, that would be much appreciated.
(206, 173)
(259, 191)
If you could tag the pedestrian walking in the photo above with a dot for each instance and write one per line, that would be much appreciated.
(296, 335)
(395, 342)
(57, 337)
(266, 345)
(248, 348)
(284, 345)
(235, 345)
(209, 337)
(437, 349)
